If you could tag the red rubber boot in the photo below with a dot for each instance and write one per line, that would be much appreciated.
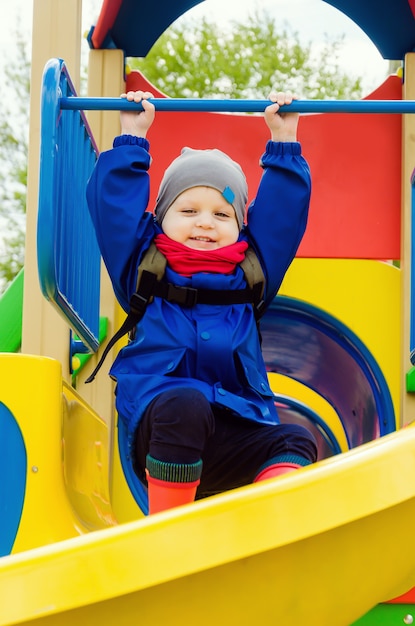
(276, 470)
(163, 495)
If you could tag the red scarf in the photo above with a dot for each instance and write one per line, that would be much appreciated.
(187, 261)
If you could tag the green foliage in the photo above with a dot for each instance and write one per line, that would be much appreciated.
(201, 60)
(14, 135)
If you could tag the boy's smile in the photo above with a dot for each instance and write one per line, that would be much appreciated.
(201, 218)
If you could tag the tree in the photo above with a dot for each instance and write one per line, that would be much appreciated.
(199, 59)
(14, 137)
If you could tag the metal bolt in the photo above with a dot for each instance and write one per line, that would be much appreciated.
(408, 619)
(35, 469)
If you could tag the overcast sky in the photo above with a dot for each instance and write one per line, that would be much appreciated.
(312, 19)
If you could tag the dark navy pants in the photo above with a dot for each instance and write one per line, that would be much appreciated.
(181, 426)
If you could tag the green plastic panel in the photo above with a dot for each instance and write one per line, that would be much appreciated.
(11, 311)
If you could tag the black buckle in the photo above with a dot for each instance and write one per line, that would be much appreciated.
(185, 296)
(138, 304)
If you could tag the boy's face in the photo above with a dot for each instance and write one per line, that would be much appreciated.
(201, 218)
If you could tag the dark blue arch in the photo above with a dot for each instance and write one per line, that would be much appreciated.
(137, 488)
(389, 24)
(309, 345)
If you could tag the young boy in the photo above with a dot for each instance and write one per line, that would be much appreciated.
(192, 386)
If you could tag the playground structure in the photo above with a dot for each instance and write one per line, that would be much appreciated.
(337, 344)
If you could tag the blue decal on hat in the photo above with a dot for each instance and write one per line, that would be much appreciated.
(228, 194)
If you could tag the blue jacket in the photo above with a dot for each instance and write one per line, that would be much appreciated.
(213, 348)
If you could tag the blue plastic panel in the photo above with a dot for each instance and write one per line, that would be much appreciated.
(68, 253)
(13, 466)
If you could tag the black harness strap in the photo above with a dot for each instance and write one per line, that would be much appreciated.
(138, 305)
(187, 296)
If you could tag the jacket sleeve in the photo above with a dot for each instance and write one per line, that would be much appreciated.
(117, 195)
(277, 218)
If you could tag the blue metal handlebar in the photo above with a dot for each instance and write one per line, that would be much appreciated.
(240, 106)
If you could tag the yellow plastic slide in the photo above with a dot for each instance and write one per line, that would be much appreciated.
(320, 546)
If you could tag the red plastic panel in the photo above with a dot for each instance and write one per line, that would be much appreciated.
(355, 161)
(406, 598)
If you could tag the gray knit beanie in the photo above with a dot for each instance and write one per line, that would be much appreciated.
(203, 168)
